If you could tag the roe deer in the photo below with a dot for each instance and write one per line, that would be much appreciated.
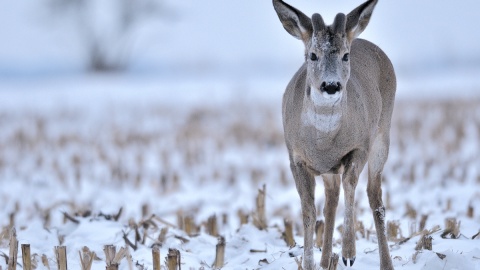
(337, 111)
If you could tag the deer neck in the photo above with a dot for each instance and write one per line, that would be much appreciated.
(322, 111)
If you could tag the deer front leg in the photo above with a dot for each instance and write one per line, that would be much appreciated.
(332, 193)
(374, 191)
(353, 163)
(376, 161)
(305, 182)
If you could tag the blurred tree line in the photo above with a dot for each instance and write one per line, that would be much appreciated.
(108, 28)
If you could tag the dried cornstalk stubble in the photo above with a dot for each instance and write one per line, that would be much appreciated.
(423, 221)
(26, 257)
(129, 259)
(137, 236)
(161, 220)
(156, 258)
(189, 226)
(86, 258)
(319, 229)
(393, 230)
(61, 255)
(299, 260)
(45, 261)
(470, 211)
(11, 219)
(411, 212)
(288, 234)
(145, 210)
(220, 253)
(242, 216)
(259, 218)
(340, 229)
(46, 218)
(434, 229)
(113, 258)
(212, 226)
(12, 258)
(359, 228)
(180, 220)
(452, 228)
(224, 219)
(173, 259)
(425, 242)
(162, 236)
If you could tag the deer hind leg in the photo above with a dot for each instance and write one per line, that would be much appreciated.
(305, 182)
(376, 161)
(332, 193)
(354, 163)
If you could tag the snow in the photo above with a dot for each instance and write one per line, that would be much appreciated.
(222, 144)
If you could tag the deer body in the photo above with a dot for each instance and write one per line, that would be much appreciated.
(323, 134)
(336, 114)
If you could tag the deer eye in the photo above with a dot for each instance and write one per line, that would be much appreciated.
(345, 57)
(313, 57)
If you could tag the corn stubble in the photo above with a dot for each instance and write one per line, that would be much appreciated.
(445, 124)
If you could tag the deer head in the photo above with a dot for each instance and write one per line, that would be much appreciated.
(327, 47)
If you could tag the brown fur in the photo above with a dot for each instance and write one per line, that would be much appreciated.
(362, 133)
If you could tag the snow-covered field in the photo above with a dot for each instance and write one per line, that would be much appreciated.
(193, 129)
(163, 152)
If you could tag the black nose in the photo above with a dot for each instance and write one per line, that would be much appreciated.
(331, 87)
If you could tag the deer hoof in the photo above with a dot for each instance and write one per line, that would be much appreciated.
(348, 261)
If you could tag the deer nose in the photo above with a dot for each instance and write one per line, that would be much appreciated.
(331, 87)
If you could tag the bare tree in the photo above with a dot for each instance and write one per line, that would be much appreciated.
(108, 27)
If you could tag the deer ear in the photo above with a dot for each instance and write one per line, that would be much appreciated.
(358, 19)
(294, 21)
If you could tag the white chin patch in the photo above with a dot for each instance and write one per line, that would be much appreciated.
(320, 98)
(328, 96)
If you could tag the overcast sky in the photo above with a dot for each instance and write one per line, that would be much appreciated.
(244, 35)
